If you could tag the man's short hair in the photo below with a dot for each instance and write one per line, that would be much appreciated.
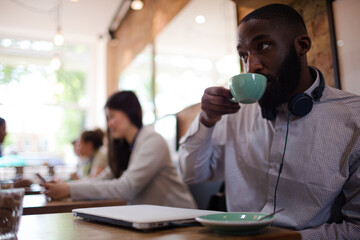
(279, 14)
(2, 121)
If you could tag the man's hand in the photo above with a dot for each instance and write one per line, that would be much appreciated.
(57, 190)
(215, 103)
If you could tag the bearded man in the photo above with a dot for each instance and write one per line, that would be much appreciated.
(298, 148)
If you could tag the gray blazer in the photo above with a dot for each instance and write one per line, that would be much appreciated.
(151, 177)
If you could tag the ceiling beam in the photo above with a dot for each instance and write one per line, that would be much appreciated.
(121, 12)
(136, 30)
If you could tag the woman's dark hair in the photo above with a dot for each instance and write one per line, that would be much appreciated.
(2, 121)
(96, 137)
(118, 149)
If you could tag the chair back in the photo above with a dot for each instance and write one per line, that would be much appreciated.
(184, 119)
(202, 192)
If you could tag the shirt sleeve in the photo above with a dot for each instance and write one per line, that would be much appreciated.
(100, 161)
(104, 175)
(201, 155)
(147, 159)
(349, 228)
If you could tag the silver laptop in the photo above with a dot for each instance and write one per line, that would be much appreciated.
(142, 217)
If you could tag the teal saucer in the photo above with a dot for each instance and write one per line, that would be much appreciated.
(236, 223)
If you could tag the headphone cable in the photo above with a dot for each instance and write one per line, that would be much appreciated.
(282, 160)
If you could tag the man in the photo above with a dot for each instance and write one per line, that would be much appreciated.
(317, 181)
(2, 133)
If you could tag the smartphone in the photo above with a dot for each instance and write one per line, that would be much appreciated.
(41, 178)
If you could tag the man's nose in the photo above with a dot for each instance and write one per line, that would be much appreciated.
(254, 64)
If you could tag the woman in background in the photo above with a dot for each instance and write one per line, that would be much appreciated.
(92, 157)
(140, 169)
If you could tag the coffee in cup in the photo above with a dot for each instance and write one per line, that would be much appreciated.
(247, 87)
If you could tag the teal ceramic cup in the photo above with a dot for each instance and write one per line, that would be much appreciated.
(247, 87)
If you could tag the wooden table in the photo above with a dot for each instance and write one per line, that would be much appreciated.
(38, 204)
(65, 226)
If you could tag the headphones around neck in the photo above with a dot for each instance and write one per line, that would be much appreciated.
(302, 103)
(299, 105)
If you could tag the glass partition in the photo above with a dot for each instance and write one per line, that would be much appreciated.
(196, 50)
(45, 108)
(138, 78)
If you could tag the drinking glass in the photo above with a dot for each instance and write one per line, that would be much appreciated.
(11, 207)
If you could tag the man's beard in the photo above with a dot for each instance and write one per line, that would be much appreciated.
(283, 83)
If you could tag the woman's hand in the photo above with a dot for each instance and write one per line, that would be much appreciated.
(57, 190)
(215, 103)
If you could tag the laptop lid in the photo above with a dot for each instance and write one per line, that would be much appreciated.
(142, 217)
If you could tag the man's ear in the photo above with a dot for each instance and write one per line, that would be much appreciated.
(302, 44)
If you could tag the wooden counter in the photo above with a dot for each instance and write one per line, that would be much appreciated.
(65, 226)
(38, 204)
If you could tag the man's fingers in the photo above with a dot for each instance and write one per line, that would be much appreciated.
(218, 96)
(218, 91)
(218, 104)
(219, 109)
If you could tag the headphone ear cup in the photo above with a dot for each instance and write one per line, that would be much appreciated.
(300, 105)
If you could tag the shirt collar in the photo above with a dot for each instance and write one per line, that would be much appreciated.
(133, 142)
(315, 84)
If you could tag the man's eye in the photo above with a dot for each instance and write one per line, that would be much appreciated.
(264, 46)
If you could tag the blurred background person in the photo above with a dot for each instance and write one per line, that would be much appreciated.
(2, 133)
(19, 181)
(140, 168)
(92, 155)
